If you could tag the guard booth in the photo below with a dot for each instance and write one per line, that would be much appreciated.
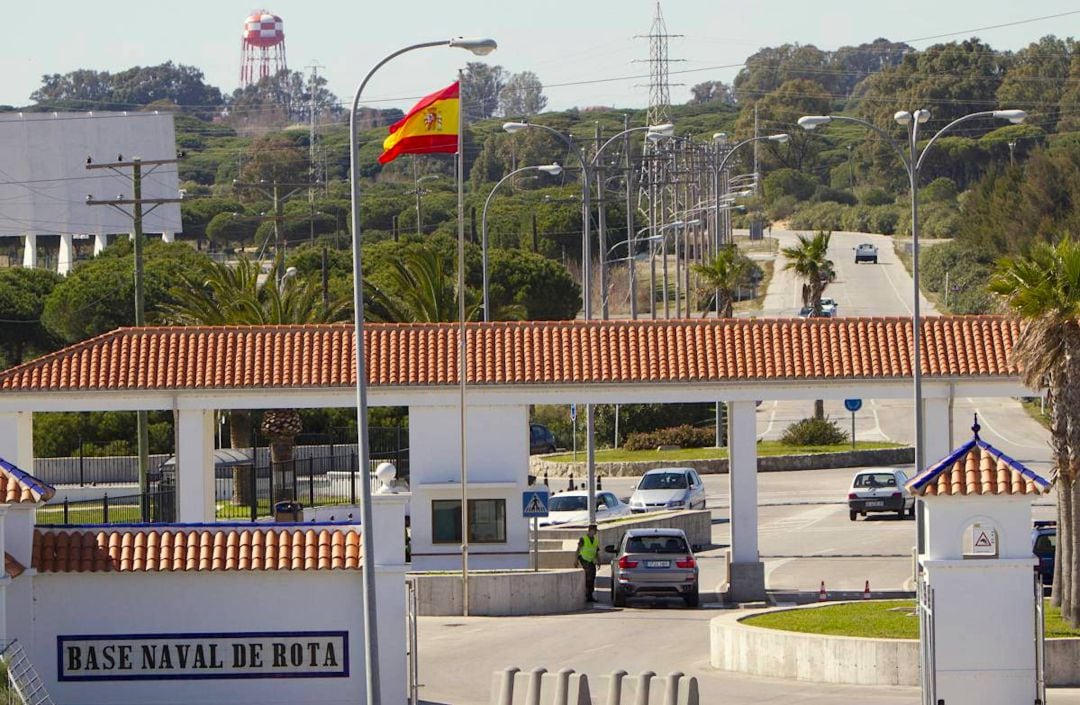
(980, 595)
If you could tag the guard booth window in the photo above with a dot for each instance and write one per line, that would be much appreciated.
(487, 521)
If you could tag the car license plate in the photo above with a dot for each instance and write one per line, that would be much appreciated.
(657, 564)
(875, 503)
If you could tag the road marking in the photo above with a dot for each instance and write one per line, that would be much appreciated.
(772, 418)
(896, 291)
(877, 420)
(985, 421)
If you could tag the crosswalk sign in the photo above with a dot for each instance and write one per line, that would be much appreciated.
(534, 503)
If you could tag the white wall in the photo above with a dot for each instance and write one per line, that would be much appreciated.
(949, 517)
(153, 603)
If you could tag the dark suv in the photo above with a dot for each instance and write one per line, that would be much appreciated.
(541, 440)
(1044, 546)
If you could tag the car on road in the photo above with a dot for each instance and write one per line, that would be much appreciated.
(668, 488)
(653, 562)
(541, 440)
(828, 307)
(879, 490)
(573, 508)
(1044, 546)
(866, 252)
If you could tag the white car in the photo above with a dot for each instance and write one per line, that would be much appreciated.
(573, 508)
(668, 488)
(866, 252)
(828, 307)
(879, 490)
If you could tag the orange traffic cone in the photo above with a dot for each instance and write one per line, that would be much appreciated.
(866, 591)
(822, 595)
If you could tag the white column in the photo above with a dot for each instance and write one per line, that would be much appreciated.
(168, 237)
(388, 523)
(29, 259)
(101, 241)
(17, 439)
(746, 579)
(937, 423)
(66, 257)
(4, 579)
(195, 465)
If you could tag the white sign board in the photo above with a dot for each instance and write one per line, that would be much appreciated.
(983, 540)
(202, 656)
(44, 181)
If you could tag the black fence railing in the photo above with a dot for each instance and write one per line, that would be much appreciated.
(118, 509)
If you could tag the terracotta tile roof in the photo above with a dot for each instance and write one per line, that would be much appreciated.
(549, 352)
(977, 468)
(13, 568)
(195, 549)
(20, 486)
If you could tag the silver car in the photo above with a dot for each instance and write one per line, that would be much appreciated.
(668, 488)
(654, 562)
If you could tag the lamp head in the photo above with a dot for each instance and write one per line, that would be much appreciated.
(513, 127)
(1014, 116)
(481, 46)
(922, 116)
(781, 138)
(810, 122)
(554, 169)
(720, 136)
(664, 130)
(695, 221)
(902, 117)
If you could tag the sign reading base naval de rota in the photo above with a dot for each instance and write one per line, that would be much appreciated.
(129, 657)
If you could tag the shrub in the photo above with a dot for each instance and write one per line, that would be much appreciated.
(814, 432)
(940, 189)
(876, 197)
(787, 182)
(819, 216)
(782, 208)
(684, 436)
(883, 219)
(824, 194)
(856, 219)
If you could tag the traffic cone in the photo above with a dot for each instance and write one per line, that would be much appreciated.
(866, 591)
(822, 595)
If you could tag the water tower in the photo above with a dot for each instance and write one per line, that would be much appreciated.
(262, 47)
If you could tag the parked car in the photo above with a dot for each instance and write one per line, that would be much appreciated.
(541, 440)
(828, 307)
(1044, 546)
(879, 490)
(653, 562)
(808, 312)
(668, 488)
(573, 508)
(866, 252)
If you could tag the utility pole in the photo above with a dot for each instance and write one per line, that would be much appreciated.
(136, 214)
(274, 194)
(601, 217)
(314, 163)
(630, 230)
(755, 150)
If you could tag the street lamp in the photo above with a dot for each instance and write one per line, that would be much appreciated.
(371, 641)
(553, 169)
(912, 161)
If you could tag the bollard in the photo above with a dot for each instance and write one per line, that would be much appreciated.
(506, 688)
(546, 483)
(866, 591)
(571, 487)
(688, 689)
(599, 482)
(643, 688)
(614, 695)
(562, 686)
(822, 595)
(671, 688)
(536, 680)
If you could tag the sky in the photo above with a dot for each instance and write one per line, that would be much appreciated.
(565, 42)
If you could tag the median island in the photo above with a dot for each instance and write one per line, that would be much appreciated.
(764, 448)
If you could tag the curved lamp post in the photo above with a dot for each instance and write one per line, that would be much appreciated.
(554, 169)
(780, 138)
(912, 160)
(371, 642)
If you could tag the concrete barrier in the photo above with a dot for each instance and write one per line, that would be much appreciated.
(696, 523)
(512, 687)
(538, 465)
(821, 658)
(501, 594)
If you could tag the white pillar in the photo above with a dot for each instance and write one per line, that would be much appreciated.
(4, 579)
(746, 577)
(388, 523)
(29, 259)
(937, 424)
(168, 237)
(101, 241)
(66, 257)
(195, 465)
(17, 439)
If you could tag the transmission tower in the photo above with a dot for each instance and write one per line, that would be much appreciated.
(659, 84)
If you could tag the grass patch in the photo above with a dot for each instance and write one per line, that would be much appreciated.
(935, 298)
(1034, 409)
(875, 619)
(618, 455)
(756, 303)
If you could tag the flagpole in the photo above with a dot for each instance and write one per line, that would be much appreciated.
(463, 369)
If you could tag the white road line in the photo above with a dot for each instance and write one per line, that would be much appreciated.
(903, 299)
(877, 420)
(772, 418)
(985, 421)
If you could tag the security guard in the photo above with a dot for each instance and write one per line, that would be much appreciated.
(588, 555)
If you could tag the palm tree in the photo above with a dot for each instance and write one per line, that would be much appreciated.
(1042, 290)
(810, 260)
(241, 294)
(720, 277)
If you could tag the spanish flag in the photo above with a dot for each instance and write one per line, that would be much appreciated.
(431, 126)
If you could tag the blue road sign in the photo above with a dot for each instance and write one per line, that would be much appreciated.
(573, 413)
(534, 503)
(853, 405)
